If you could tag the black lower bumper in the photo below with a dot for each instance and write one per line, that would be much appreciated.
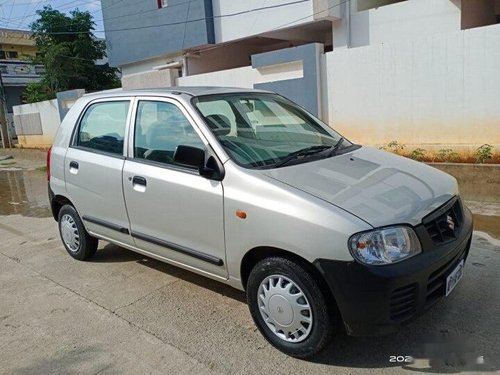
(376, 300)
(52, 201)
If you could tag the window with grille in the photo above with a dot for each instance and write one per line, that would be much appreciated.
(11, 54)
(162, 4)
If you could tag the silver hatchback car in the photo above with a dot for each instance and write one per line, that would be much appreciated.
(246, 187)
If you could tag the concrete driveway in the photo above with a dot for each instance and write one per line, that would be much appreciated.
(125, 313)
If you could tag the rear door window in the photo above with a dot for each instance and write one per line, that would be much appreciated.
(102, 127)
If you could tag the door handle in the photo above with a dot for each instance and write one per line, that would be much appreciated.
(73, 167)
(137, 180)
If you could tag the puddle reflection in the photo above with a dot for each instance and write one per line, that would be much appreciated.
(488, 224)
(24, 193)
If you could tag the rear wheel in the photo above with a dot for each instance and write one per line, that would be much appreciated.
(289, 308)
(77, 242)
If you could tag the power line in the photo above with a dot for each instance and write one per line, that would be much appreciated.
(213, 17)
(185, 25)
(48, 1)
(312, 15)
(144, 12)
(12, 8)
(62, 7)
(25, 14)
(110, 6)
(277, 27)
(14, 4)
(189, 21)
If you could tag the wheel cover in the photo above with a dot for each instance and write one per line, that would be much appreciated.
(69, 233)
(285, 308)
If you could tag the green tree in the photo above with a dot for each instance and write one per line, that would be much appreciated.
(69, 51)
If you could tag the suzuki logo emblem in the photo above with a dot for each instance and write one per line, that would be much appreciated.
(450, 222)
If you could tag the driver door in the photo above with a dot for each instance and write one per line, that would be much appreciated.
(174, 212)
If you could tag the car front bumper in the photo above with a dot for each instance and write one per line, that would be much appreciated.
(376, 300)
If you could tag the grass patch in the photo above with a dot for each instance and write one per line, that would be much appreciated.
(42, 169)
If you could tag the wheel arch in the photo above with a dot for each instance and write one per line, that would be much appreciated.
(253, 256)
(56, 203)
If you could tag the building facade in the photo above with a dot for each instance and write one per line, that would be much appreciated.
(16, 49)
(421, 72)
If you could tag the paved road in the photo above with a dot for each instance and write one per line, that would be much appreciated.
(122, 312)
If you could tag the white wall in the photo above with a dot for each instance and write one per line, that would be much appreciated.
(148, 65)
(239, 77)
(49, 115)
(405, 20)
(244, 25)
(245, 77)
(440, 89)
(149, 79)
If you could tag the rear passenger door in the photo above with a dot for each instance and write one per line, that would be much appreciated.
(94, 165)
(174, 212)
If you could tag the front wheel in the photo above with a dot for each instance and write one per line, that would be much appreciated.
(77, 242)
(289, 308)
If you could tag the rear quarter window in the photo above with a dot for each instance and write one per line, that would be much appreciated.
(102, 127)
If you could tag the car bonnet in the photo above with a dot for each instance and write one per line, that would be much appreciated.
(378, 187)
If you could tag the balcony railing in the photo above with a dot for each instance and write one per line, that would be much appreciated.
(20, 73)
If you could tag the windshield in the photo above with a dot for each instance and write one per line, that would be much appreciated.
(267, 130)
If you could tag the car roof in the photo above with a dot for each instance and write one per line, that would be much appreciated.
(178, 90)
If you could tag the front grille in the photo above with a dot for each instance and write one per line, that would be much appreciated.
(403, 302)
(436, 284)
(445, 226)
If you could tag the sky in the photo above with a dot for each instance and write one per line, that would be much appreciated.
(18, 14)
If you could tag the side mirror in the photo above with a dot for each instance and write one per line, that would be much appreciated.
(189, 156)
(195, 158)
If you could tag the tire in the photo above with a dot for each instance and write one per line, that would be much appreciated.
(69, 221)
(317, 334)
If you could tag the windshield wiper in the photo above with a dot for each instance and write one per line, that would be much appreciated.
(333, 150)
(303, 152)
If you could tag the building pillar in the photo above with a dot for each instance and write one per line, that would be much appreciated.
(150, 79)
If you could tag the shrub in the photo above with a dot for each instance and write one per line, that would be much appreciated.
(38, 92)
(447, 154)
(394, 146)
(484, 153)
(417, 154)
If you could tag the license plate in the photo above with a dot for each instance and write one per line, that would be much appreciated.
(454, 277)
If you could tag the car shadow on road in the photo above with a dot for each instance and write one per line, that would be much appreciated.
(111, 253)
(441, 341)
(410, 351)
(410, 348)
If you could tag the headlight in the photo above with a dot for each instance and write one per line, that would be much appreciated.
(385, 246)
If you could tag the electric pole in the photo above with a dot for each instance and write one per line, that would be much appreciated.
(4, 131)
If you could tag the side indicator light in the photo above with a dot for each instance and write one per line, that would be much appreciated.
(241, 214)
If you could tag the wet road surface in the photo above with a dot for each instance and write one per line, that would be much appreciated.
(24, 192)
(488, 224)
